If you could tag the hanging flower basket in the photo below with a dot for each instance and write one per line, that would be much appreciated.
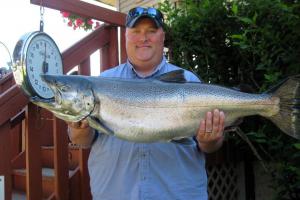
(76, 22)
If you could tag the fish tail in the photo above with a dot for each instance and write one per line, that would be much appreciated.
(288, 117)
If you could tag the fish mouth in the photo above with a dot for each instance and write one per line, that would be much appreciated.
(63, 104)
(49, 79)
(52, 83)
(56, 109)
(45, 103)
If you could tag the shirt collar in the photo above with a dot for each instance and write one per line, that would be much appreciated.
(156, 71)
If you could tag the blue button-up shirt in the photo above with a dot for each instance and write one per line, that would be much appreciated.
(123, 170)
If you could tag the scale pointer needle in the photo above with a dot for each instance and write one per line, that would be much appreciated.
(45, 64)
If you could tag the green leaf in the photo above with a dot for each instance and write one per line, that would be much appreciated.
(254, 18)
(260, 66)
(234, 9)
(297, 145)
(260, 140)
(237, 36)
(246, 20)
(272, 77)
(244, 46)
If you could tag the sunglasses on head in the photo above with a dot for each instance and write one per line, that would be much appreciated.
(152, 12)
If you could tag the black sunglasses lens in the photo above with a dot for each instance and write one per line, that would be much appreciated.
(152, 12)
(155, 13)
(136, 11)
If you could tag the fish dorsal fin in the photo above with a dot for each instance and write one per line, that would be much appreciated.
(176, 76)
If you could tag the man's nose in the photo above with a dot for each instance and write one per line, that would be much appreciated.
(143, 37)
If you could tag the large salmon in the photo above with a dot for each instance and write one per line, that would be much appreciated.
(166, 108)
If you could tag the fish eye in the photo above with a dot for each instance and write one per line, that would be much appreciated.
(87, 105)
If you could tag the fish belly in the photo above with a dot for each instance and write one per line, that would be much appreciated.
(142, 124)
(146, 124)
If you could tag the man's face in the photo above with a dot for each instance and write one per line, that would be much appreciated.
(145, 42)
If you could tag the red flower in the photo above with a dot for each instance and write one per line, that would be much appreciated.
(79, 21)
(90, 22)
(70, 23)
(65, 14)
(76, 21)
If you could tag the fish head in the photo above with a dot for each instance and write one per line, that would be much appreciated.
(73, 97)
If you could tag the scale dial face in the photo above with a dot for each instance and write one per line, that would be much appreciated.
(36, 54)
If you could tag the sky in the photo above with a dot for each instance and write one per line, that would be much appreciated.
(19, 17)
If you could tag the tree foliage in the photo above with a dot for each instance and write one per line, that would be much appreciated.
(250, 44)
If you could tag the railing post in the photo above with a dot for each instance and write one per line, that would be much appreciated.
(113, 47)
(84, 174)
(34, 189)
(122, 43)
(104, 61)
(5, 166)
(6, 82)
(109, 53)
(85, 67)
(61, 164)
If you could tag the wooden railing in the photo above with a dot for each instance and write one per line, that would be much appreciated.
(15, 109)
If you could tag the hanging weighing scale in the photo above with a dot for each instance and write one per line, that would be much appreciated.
(36, 53)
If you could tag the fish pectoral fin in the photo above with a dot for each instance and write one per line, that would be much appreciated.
(97, 124)
(184, 141)
(176, 76)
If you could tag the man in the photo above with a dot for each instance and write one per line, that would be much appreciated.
(122, 170)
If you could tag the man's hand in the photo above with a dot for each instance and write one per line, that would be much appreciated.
(81, 133)
(79, 125)
(210, 134)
